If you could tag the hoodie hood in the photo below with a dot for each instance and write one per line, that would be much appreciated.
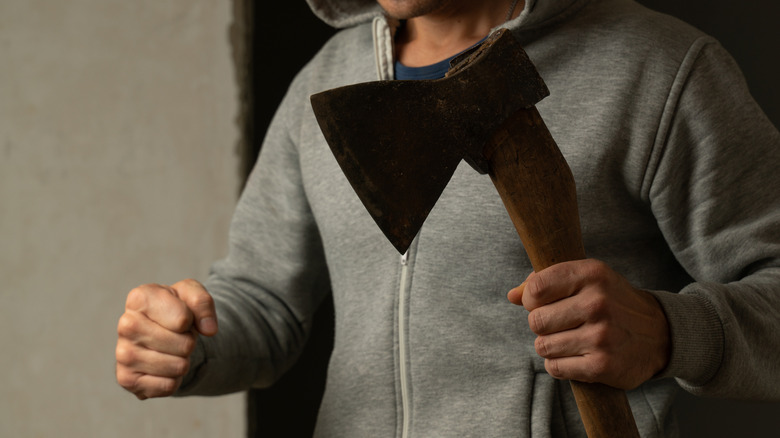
(346, 13)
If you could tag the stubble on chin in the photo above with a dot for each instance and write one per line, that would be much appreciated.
(406, 9)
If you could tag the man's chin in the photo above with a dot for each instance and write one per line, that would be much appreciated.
(406, 9)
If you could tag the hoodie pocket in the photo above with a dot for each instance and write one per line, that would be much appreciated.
(553, 409)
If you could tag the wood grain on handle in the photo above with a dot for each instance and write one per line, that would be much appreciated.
(538, 191)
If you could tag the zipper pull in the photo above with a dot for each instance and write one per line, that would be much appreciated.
(405, 258)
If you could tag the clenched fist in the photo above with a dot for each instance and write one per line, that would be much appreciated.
(157, 334)
(593, 326)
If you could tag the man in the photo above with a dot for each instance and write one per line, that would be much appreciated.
(676, 174)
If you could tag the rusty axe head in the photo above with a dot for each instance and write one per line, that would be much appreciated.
(399, 142)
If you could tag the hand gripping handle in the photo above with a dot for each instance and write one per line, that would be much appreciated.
(537, 188)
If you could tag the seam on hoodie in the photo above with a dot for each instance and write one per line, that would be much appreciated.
(669, 113)
(383, 48)
(659, 427)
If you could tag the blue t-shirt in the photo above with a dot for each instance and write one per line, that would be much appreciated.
(433, 71)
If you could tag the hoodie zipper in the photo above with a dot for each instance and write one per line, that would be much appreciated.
(383, 50)
(402, 344)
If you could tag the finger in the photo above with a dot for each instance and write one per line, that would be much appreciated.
(563, 344)
(143, 332)
(554, 283)
(570, 368)
(515, 295)
(200, 303)
(162, 305)
(586, 339)
(144, 361)
(587, 368)
(146, 386)
(155, 386)
(565, 314)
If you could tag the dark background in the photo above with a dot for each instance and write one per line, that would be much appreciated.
(284, 35)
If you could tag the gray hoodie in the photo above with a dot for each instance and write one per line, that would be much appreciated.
(677, 176)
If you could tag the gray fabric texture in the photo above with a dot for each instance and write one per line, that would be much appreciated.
(677, 176)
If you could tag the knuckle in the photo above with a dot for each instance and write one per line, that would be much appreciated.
(534, 288)
(202, 301)
(536, 322)
(137, 298)
(601, 337)
(553, 368)
(188, 344)
(540, 345)
(180, 367)
(188, 288)
(125, 354)
(166, 387)
(598, 273)
(599, 367)
(596, 268)
(128, 326)
(181, 319)
(188, 283)
(597, 307)
(126, 379)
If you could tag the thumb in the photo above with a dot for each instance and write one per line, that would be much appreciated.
(200, 303)
(515, 296)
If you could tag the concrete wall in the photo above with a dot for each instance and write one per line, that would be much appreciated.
(117, 167)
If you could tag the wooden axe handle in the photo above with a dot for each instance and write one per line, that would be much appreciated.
(538, 191)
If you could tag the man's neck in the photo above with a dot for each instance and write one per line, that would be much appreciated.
(438, 35)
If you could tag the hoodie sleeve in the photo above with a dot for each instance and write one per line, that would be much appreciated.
(714, 192)
(273, 278)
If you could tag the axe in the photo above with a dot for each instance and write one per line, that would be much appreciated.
(484, 112)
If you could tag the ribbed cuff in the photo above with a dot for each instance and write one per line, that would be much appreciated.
(697, 337)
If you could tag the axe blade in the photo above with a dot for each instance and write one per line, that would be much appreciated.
(399, 142)
(396, 182)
